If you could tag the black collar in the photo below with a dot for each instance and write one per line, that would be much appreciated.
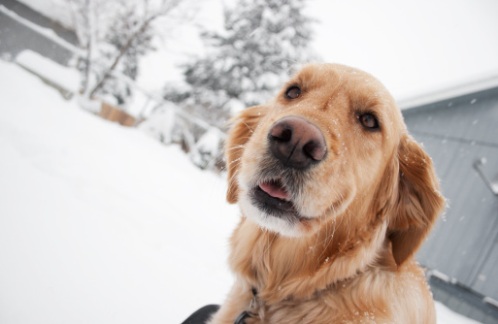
(246, 314)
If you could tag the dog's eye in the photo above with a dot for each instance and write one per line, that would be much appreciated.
(293, 92)
(369, 121)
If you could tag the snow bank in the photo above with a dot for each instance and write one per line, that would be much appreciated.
(61, 76)
(100, 223)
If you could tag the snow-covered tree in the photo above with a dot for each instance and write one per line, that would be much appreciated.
(244, 65)
(246, 62)
(115, 33)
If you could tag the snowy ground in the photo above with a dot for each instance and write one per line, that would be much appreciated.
(99, 223)
(102, 224)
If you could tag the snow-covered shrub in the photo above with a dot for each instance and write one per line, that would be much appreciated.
(203, 144)
(163, 125)
(207, 152)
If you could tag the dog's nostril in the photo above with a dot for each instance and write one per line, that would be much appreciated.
(281, 133)
(314, 150)
(296, 142)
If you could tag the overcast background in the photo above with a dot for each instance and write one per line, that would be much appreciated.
(413, 47)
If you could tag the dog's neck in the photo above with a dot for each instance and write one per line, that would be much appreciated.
(282, 268)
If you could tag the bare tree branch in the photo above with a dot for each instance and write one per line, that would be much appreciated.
(166, 7)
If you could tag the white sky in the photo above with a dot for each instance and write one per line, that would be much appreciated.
(413, 47)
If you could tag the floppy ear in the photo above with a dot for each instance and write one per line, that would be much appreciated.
(240, 132)
(419, 201)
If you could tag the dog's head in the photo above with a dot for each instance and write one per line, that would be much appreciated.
(331, 140)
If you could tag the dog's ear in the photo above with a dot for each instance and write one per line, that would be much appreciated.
(419, 201)
(242, 128)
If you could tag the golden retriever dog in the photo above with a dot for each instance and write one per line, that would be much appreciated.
(336, 198)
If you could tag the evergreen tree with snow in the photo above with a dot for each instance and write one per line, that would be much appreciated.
(245, 64)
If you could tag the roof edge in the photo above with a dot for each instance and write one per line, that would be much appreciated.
(477, 85)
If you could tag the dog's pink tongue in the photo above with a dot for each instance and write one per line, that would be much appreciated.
(274, 190)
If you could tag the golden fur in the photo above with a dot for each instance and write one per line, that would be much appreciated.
(366, 207)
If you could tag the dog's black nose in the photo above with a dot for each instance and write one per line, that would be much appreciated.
(296, 142)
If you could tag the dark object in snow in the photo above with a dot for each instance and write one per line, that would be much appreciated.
(202, 315)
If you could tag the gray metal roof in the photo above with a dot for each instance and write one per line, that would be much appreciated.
(456, 133)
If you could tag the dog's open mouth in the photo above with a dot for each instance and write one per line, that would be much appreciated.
(275, 189)
(273, 198)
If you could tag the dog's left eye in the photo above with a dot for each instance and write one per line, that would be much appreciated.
(292, 92)
(369, 121)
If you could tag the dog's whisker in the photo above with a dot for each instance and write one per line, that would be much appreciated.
(235, 161)
(251, 129)
(235, 148)
(233, 176)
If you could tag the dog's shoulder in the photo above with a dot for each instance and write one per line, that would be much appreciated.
(383, 294)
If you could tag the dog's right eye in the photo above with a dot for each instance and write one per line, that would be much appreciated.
(369, 121)
(293, 92)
